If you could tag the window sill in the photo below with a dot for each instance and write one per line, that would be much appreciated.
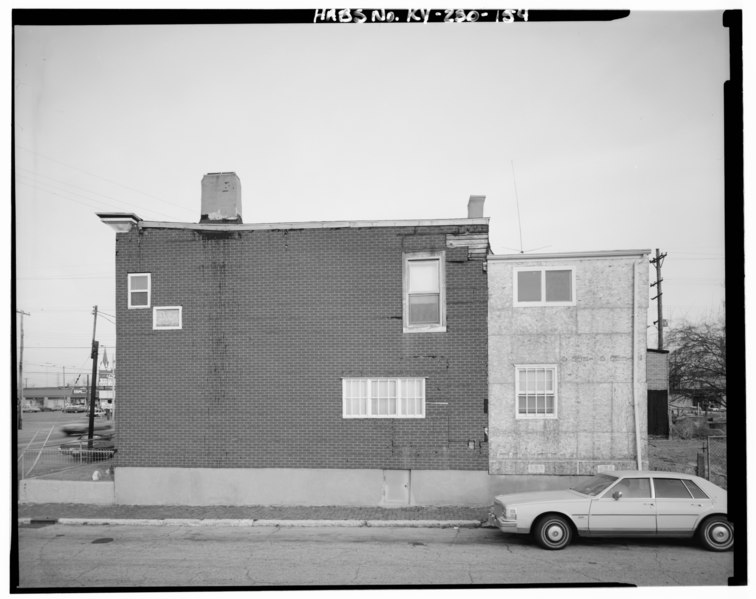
(424, 329)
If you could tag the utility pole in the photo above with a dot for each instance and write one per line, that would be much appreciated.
(657, 262)
(20, 401)
(95, 348)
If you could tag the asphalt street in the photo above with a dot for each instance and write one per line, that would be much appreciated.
(129, 556)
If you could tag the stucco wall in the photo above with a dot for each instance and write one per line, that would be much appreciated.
(591, 344)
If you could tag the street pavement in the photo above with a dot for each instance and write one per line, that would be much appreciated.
(69, 513)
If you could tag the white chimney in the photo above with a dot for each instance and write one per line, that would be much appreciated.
(475, 206)
(221, 198)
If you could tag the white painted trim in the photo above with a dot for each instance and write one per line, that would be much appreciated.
(130, 290)
(553, 416)
(399, 382)
(167, 328)
(424, 328)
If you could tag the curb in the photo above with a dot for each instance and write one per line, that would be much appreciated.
(250, 523)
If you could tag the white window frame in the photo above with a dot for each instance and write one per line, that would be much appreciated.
(401, 383)
(518, 369)
(439, 327)
(149, 289)
(155, 311)
(542, 302)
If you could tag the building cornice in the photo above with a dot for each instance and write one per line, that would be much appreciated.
(340, 224)
(569, 255)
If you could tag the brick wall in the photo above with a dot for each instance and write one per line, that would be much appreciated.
(272, 322)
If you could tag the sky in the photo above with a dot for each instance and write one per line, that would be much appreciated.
(582, 137)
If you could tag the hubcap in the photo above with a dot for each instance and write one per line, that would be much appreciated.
(720, 534)
(555, 533)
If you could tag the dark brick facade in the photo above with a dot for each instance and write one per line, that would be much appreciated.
(272, 322)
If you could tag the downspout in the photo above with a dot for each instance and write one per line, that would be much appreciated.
(635, 367)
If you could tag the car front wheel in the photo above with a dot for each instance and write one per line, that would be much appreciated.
(553, 532)
(716, 533)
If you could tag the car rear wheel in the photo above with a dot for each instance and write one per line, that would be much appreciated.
(553, 532)
(716, 533)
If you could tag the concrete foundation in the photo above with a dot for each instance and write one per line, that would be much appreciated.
(66, 491)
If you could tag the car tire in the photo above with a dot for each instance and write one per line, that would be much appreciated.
(716, 533)
(553, 532)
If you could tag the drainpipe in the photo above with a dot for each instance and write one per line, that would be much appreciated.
(635, 367)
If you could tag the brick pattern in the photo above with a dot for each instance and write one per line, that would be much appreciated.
(272, 321)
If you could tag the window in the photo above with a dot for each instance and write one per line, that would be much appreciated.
(544, 287)
(632, 488)
(139, 290)
(536, 391)
(671, 488)
(166, 317)
(424, 292)
(695, 490)
(383, 398)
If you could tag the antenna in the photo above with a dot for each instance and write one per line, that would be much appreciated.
(517, 201)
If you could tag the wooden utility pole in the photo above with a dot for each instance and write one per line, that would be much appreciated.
(95, 347)
(20, 401)
(657, 261)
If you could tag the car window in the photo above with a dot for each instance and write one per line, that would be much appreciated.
(594, 485)
(695, 490)
(632, 488)
(670, 488)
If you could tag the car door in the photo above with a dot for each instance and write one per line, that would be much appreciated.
(678, 504)
(626, 507)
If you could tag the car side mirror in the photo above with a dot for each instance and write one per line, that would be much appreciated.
(617, 495)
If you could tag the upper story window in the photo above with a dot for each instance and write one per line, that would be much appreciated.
(424, 283)
(166, 317)
(536, 389)
(383, 398)
(544, 286)
(139, 290)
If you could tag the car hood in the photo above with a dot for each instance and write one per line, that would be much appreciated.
(540, 497)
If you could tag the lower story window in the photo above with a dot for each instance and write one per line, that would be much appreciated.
(383, 397)
(536, 391)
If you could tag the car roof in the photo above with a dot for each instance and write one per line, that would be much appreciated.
(647, 473)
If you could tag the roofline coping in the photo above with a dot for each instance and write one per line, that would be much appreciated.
(339, 224)
(570, 255)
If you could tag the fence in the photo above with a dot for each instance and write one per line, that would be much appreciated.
(50, 462)
(712, 462)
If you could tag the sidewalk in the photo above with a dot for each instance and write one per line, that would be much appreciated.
(69, 513)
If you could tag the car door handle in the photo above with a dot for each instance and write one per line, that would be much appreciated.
(697, 504)
(651, 504)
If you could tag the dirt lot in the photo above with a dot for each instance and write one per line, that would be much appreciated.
(674, 455)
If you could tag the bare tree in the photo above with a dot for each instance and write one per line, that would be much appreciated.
(698, 362)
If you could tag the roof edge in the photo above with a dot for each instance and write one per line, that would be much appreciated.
(340, 224)
(570, 255)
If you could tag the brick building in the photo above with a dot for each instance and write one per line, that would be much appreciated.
(320, 363)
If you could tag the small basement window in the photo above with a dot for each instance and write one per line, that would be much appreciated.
(139, 290)
(166, 317)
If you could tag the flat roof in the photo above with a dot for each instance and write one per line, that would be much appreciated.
(338, 224)
(571, 255)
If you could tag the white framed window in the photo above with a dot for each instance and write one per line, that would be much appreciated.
(139, 290)
(166, 317)
(536, 390)
(538, 286)
(424, 292)
(383, 397)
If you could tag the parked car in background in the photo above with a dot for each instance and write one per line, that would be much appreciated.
(620, 504)
(75, 409)
(104, 429)
(99, 448)
(30, 408)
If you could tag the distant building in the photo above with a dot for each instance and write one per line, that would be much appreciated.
(55, 398)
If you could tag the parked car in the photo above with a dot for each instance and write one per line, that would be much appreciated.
(104, 429)
(620, 504)
(30, 409)
(75, 409)
(102, 448)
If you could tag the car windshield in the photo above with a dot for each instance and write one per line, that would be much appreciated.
(595, 484)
